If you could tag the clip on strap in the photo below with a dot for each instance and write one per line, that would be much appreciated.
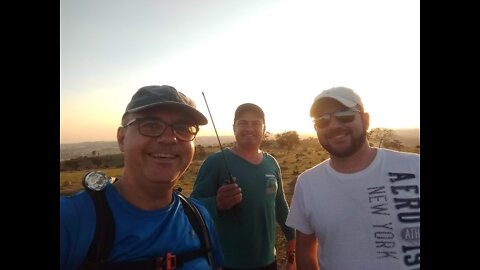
(170, 262)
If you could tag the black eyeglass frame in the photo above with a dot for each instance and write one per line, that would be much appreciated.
(176, 127)
(343, 116)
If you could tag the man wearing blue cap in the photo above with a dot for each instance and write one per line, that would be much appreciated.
(359, 209)
(152, 229)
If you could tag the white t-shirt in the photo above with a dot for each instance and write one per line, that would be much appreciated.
(365, 220)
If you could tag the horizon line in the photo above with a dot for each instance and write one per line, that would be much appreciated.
(304, 134)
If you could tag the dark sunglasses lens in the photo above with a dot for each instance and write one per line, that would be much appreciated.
(322, 122)
(345, 118)
(342, 116)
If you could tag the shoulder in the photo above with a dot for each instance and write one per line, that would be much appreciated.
(77, 214)
(395, 161)
(403, 156)
(77, 226)
(313, 173)
(201, 209)
(269, 157)
(199, 205)
(75, 204)
(214, 156)
(320, 167)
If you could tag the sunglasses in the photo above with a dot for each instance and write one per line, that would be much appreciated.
(343, 116)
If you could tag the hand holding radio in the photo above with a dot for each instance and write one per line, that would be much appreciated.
(228, 195)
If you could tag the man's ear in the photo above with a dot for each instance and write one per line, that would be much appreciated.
(366, 120)
(120, 137)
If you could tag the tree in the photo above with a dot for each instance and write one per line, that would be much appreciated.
(72, 164)
(200, 152)
(287, 139)
(96, 161)
(383, 136)
(395, 144)
(266, 138)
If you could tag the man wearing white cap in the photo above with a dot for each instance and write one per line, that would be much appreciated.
(359, 209)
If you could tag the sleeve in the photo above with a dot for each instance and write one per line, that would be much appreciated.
(65, 233)
(207, 184)
(297, 217)
(77, 227)
(281, 206)
(416, 164)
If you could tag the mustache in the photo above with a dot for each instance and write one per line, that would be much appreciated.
(337, 131)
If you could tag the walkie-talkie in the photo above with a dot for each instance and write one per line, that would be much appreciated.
(231, 180)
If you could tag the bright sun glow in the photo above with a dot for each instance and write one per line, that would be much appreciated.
(276, 54)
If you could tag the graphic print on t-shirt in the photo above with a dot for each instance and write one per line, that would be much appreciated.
(400, 220)
(270, 184)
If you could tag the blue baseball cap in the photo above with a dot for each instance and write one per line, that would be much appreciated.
(165, 96)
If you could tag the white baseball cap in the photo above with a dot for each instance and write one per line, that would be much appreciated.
(344, 95)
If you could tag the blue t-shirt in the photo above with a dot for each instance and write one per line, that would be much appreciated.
(139, 234)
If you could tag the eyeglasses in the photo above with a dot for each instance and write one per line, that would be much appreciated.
(244, 124)
(154, 127)
(343, 116)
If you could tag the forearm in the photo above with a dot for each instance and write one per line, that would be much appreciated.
(205, 188)
(281, 213)
(306, 251)
(305, 261)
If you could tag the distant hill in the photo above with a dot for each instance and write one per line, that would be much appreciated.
(101, 148)
(409, 137)
(212, 140)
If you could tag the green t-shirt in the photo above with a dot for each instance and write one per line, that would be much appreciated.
(247, 234)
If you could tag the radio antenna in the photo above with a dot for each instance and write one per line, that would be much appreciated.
(218, 138)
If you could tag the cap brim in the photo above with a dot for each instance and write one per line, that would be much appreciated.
(317, 102)
(197, 117)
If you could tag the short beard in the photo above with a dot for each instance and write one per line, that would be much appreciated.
(357, 143)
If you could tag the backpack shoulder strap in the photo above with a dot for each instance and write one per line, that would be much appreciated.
(104, 232)
(102, 243)
(200, 227)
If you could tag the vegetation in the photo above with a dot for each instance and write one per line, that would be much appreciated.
(288, 139)
(383, 137)
(293, 155)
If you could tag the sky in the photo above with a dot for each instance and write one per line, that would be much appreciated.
(278, 54)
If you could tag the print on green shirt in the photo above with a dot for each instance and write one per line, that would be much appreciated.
(271, 184)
